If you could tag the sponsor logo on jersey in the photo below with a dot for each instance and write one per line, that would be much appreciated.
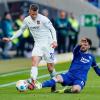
(38, 22)
(35, 27)
(84, 60)
(90, 57)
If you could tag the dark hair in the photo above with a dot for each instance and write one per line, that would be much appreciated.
(89, 41)
(6, 13)
(34, 7)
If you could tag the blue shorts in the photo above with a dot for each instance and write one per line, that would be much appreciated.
(69, 80)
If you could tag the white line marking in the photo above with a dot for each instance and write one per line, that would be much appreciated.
(40, 77)
(14, 73)
(19, 72)
(43, 76)
(24, 71)
(8, 84)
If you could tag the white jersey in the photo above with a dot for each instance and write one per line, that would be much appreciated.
(41, 29)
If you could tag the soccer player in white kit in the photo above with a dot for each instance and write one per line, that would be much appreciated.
(44, 36)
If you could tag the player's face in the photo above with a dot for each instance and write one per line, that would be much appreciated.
(62, 14)
(8, 16)
(33, 14)
(84, 45)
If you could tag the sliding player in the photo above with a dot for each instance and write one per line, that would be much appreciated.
(77, 73)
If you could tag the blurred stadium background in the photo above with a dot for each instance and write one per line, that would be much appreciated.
(15, 58)
(85, 12)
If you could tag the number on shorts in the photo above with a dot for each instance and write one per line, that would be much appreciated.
(52, 56)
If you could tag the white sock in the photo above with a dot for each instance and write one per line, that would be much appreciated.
(53, 73)
(34, 72)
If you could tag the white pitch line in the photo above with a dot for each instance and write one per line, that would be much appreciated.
(19, 72)
(40, 77)
(8, 84)
(43, 76)
(14, 73)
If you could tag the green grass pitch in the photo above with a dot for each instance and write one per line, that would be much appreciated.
(16, 69)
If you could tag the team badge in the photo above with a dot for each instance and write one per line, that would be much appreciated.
(38, 22)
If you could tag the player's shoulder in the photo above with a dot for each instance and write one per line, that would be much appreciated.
(42, 17)
(91, 55)
(26, 18)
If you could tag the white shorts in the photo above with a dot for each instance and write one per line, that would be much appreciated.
(46, 52)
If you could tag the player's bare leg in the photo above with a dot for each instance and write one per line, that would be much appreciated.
(76, 89)
(51, 69)
(52, 72)
(34, 71)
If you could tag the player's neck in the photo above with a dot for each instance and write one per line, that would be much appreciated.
(33, 18)
(86, 52)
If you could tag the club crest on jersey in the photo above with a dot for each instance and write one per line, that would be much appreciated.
(38, 22)
(84, 60)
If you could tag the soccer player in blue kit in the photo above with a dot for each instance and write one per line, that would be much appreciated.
(76, 76)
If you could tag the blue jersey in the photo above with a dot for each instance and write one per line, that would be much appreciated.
(81, 64)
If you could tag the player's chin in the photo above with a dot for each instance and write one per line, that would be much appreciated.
(83, 50)
(53, 47)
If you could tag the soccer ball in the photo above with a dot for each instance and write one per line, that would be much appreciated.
(22, 85)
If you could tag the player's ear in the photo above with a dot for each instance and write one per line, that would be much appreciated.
(80, 43)
(89, 46)
(29, 11)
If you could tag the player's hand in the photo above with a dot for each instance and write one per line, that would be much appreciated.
(54, 44)
(6, 39)
(82, 41)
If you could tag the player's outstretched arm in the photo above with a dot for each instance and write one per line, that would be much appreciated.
(6, 39)
(77, 48)
(19, 32)
(49, 25)
(95, 66)
(97, 70)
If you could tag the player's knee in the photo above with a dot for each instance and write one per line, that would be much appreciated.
(58, 79)
(76, 89)
(50, 67)
(33, 61)
(34, 64)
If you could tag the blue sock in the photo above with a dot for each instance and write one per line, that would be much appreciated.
(48, 83)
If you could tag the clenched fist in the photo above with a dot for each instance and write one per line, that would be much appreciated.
(6, 39)
(54, 44)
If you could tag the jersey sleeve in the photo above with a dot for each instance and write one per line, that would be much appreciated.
(49, 25)
(95, 67)
(94, 64)
(76, 49)
(20, 31)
